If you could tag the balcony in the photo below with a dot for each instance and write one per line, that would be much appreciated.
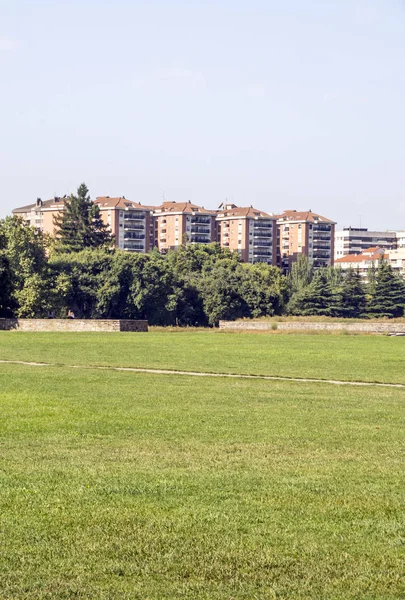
(263, 259)
(136, 236)
(262, 253)
(134, 226)
(321, 245)
(201, 220)
(262, 226)
(134, 247)
(322, 255)
(266, 235)
(319, 227)
(262, 244)
(201, 239)
(197, 230)
(134, 217)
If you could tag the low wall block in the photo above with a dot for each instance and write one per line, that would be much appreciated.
(298, 326)
(73, 325)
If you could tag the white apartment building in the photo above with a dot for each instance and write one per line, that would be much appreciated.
(354, 240)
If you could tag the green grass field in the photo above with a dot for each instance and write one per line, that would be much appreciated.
(119, 485)
(321, 356)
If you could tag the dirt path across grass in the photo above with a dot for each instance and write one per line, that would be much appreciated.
(205, 374)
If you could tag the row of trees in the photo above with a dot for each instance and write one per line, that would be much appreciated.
(194, 285)
(337, 293)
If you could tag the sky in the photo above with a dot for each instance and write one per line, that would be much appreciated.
(276, 104)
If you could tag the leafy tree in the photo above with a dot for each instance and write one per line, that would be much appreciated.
(263, 288)
(388, 299)
(80, 225)
(24, 267)
(222, 293)
(301, 273)
(6, 300)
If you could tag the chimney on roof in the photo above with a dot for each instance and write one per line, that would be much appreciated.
(39, 202)
(123, 197)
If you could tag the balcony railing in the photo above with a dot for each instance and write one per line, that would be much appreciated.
(259, 244)
(318, 254)
(266, 235)
(134, 247)
(201, 239)
(264, 253)
(262, 226)
(202, 220)
(134, 217)
(134, 227)
(319, 227)
(197, 230)
(134, 237)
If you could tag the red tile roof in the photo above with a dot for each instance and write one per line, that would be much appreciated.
(311, 217)
(242, 212)
(105, 202)
(182, 207)
(369, 255)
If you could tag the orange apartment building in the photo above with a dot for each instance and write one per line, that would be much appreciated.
(249, 231)
(305, 233)
(40, 214)
(179, 222)
(131, 223)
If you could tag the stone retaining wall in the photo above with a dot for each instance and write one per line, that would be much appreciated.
(73, 325)
(365, 327)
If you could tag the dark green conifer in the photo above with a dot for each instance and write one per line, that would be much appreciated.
(80, 224)
(351, 298)
(388, 299)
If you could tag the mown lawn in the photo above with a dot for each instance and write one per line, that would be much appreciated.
(325, 356)
(117, 485)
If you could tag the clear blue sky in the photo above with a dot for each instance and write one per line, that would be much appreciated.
(280, 104)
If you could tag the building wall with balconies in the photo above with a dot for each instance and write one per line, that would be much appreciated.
(183, 222)
(248, 231)
(304, 233)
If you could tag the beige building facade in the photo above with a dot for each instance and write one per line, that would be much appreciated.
(131, 223)
(182, 222)
(305, 233)
(249, 231)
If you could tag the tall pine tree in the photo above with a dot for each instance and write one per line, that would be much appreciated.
(388, 299)
(351, 297)
(80, 224)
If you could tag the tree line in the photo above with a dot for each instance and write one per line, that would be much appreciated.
(194, 285)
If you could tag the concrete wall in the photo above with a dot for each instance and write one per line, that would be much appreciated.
(72, 325)
(364, 327)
